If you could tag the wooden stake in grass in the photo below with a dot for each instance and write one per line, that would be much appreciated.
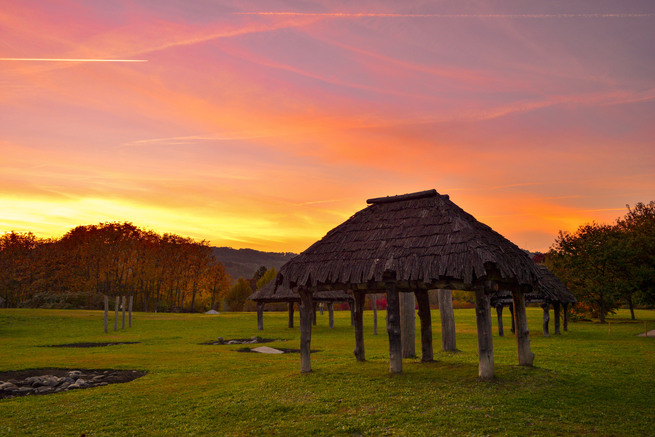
(130, 310)
(331, 314)
(359, 326)
(374, 304)
(306, 315)
(423, 300)
(393, 328)
(106, 299)
(408, 324)
(116, 314)
(526, 357)
(291, 314)
(485, 340)
(260, 316)
(123, 305)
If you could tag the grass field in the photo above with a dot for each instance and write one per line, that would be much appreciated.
(585, 382)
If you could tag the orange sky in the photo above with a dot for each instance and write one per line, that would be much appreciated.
(266, 130)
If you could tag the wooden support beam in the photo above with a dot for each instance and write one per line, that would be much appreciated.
(423, 300)
(351, 305)
(526, 357)
(448, 340)
(260, 316)
(374, 304)
(331, 314)
(393, 328)
(485, 340)
(359, 326)
(408, 324)
(546, 308)
(314, 313)
(556, 314)
(566, 317)
(291, 314)
(499, 313)
(511, 312)
(305, 330)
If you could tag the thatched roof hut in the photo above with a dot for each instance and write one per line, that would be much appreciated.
(413, 243)
(423, 239)
(549, 290)
(269, 293)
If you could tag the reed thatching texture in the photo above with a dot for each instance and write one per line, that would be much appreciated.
(269, 293)
(421, 237)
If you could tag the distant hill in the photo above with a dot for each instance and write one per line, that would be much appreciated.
(245, 262)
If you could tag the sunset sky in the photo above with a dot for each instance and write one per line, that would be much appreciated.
(264, 124)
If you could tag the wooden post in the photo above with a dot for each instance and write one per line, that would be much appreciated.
(511, 313)
(566, 317)
(331, 314)
(427, 354)
(129, 307)
(499, 313)
(546, 307)
(393, 328)
(320, 308)
(106, 299)
(556, 314)
(374, 304)
(359, 326)
(526, 357)
(305, 330)
(290, 314)
(123, 311)
(408, 324)
(260, 316)
(485, 340)
(448, 340)
(351, 305)
(314, 314)
(116, 305)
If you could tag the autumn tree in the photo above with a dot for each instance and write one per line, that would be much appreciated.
(237, 295)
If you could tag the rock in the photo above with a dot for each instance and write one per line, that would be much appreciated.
(24, 389)
(51, 381)
(8, 386)
(81, 382)
(43, 389)
(74, 374)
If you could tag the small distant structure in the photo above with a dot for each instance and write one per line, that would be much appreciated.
(413, 243)
(270, 294)
(549, 290)
(212, 312)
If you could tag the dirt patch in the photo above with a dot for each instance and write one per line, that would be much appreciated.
(92, 344)
(284, 350)
(55, 380)
(251, 340)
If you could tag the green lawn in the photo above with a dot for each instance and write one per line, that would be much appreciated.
(586, 381)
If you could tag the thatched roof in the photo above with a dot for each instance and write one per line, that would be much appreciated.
(269, 293)
(553, 288)
(422, 239)
(549, 289)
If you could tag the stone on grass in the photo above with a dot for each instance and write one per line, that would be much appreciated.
(267, 350)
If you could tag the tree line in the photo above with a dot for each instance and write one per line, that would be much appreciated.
(162, 272)
(606, 266)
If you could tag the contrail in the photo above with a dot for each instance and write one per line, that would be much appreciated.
(72, 60)
(375, 14)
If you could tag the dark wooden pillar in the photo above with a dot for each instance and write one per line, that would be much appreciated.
(526, 357)
(291, 314)
(485, 340)
(546, 307)
(260, 316)
(566, 317)
(374, 304)
(427, 354)
(331, 314)
(556, 314)
(320, 308)
(511, 312)
(499, 313)
(314, 314)
(305, 330)
(408, 324)
(106, 299)
(393, 328)
(351, 305)
(359, 326)
(447, 320)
